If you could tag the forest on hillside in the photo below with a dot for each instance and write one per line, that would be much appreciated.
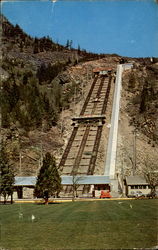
(31, 95)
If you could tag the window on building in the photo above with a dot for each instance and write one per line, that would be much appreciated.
(139, 186)
(142, 186)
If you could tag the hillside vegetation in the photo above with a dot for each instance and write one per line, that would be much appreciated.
(33, 73)
(31, 65)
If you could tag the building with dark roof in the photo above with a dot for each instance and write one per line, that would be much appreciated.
(136, 186)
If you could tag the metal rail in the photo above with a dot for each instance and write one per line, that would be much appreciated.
(98, 94)
(68, 147)
(106, 96)
(93, 158)
(95, 151)
(78, 158)
(80, 151)
(88, 96)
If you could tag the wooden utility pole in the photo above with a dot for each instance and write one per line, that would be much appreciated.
(61, 121)
(1, 89)
(134, 151)
(41, 157)
(20, 161)
(122, 173)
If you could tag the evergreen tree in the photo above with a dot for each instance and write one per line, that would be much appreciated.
(25, 79)
(48, 180)
(143, 102)
(70, 44)
(79, 49)
(41, 73)
(36, 46)
(14, 95)
(6, 176)
(67, 44)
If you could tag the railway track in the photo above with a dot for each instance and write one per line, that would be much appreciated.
(68, 147)
(88, 96)
(80, 155)
(80, 150)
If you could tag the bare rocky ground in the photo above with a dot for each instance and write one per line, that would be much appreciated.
(134, 147)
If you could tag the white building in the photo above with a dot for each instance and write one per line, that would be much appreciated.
(136, 186)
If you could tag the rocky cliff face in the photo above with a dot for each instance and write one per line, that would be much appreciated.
(142, 87)
(138, 126)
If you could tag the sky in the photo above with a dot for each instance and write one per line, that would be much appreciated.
(125, 27)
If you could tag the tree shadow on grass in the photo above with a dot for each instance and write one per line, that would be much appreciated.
(50, 203)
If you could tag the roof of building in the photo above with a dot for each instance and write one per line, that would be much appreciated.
(25, 180)
(136, 180)
(86, 179)
(66, 180)
(95, 70)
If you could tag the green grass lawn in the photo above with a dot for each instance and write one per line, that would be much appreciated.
(102, 224)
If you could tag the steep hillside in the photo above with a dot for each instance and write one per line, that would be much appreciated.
(138, 125)
(33, 73)
(142, 86)
(44, 84)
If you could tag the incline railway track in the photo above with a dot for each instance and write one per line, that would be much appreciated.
(80, 154)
